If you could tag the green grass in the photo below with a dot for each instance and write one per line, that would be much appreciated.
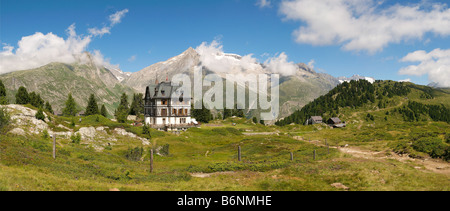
(26, 163)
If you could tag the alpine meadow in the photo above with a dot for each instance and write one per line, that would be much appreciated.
(327, 95)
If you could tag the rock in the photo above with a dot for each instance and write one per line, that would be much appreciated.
(17, 131)
(114, 189)
(339, 186)
(23, 116)
(131, 118)
(87, 132)
(123, 132)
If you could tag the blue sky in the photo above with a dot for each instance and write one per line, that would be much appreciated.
(155, 30)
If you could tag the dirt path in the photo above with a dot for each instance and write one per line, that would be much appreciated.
(434, 165)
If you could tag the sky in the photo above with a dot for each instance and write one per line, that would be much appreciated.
(385, 39)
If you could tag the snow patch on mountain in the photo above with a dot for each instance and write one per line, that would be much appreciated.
(356, 78)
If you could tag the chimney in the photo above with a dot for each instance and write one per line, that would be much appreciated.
(156, 81)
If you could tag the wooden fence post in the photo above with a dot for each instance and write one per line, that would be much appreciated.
(314, 155)
(151, 160)
(239, 153)
(292, 156)
(54, 146)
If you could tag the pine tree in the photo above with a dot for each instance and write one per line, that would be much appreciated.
(226, 113)
(92, 107)
(40, 115)
(3, 100)
(103, 111)
(36, 100)
(123, 110)
(137, 105)
(22, 96)
(48, 107)
(70, 109)
(123, 105)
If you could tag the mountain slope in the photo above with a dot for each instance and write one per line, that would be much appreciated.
(295, 91)
(413, 102)
(55, 81)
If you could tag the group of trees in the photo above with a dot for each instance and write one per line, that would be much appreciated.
(348, 94)
(3, 99)
(70, 108)
(351, 94)
(413, 111)
(205, 115)
(124, 109)
(34, 99)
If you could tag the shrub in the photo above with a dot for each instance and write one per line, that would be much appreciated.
(40, 115)
(431, 145)
(76, 139)
(45, 134)
(4, 118)
(164, 150)
(134, 154)
(401, 147)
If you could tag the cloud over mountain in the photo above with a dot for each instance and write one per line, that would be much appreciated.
(364, 25)
(213, 57)
(40, 49)
(435, 63)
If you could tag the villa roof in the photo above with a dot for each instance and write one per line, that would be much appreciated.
(162, 90)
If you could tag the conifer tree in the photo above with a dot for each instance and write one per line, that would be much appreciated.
(70, 109)
(123, 110)
(22, 96)
(40, 114)
(103, 111)
(137, 105)
(36, 100)
(92, 107)
(48, 107)
(3, 100)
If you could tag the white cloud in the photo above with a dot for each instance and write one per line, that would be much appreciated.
(113, 19)
(364, 25)
(213, 57)
(117, 17)
(263, 3)
(132, 58)
(99, 32)
(40, 49)
(405, 80)
(436, 64)
(311, 63)
(281, 65)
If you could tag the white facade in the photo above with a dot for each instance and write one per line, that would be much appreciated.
(164, 112)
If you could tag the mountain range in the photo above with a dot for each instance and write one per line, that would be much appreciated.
(55, 80)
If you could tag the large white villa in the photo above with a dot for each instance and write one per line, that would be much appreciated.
(165, 112)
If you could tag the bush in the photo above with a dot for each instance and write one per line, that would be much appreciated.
(4, 118)
(76, 139)
(40, 115)
(45, 134)
(431, 145)
(164, 150)
(401, 147)
(134, 154)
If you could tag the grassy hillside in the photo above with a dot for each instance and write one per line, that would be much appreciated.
(415, 99)
(55, 80)
(206, 158)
